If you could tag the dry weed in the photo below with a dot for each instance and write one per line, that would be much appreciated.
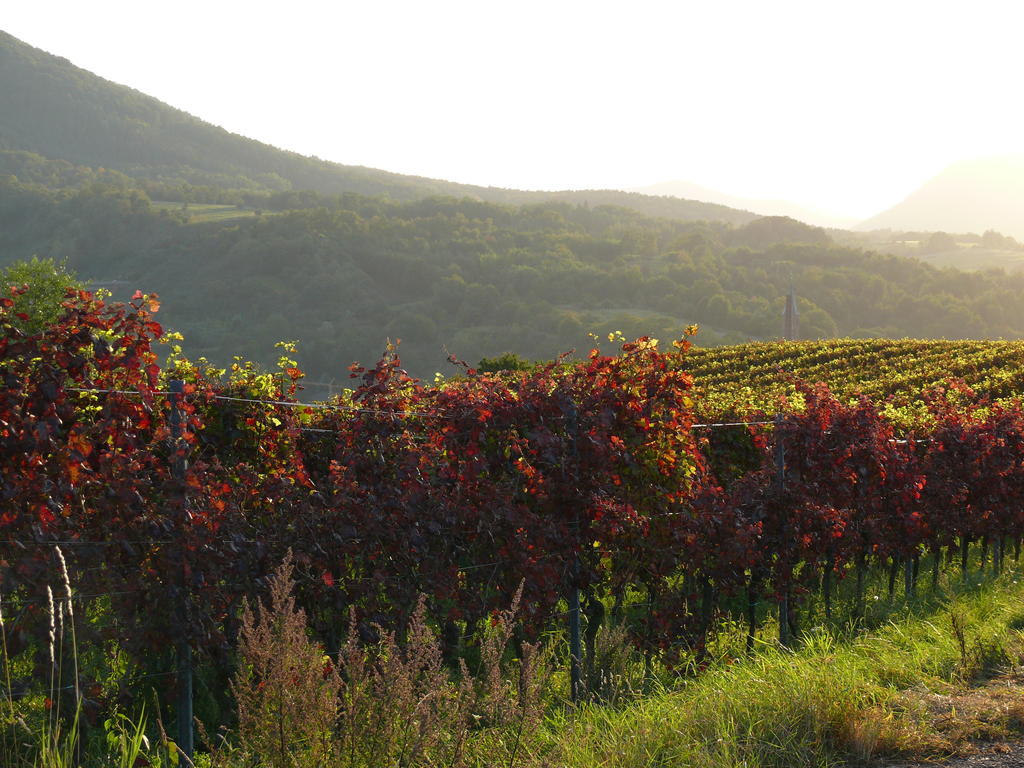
(286, 689)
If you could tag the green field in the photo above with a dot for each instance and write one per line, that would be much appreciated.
(203, 212)
(976, 258)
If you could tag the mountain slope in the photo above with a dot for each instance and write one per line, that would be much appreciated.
(971, 196)
(62, 112)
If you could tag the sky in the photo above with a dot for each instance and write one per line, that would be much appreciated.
(843, 106)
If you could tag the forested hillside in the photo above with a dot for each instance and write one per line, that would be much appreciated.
(479, 279)
(54, 111)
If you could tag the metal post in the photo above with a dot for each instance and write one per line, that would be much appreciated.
(575, 644)
(780, 480)
(179, 464)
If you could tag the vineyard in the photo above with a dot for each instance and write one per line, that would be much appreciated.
(752, 377)
(598, 488)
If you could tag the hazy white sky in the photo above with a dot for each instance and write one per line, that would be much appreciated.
(846, 106)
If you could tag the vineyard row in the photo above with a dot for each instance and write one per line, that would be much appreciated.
(575, 481)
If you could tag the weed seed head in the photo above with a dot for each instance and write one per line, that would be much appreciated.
(67, 581)
(53, 622)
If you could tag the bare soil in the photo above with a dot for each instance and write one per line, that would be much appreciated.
(972, 726)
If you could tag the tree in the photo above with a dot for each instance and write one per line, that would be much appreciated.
(940, 241)
(997, 241)
(818, 324)
(47, 282)
(509, 361)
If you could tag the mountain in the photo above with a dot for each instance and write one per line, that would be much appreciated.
(60, 112)
(690, 191)
(248, 245)
(970, 196)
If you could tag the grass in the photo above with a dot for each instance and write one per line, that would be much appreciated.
(918, 687)
(926, 679)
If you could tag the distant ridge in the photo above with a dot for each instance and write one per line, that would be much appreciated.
(690, 191)
(970, 196)
(60, 111)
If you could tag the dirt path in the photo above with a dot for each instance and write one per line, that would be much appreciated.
(995, 756)
(982, 721)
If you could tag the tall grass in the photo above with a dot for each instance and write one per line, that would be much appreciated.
(36, 732)
(845, 695)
